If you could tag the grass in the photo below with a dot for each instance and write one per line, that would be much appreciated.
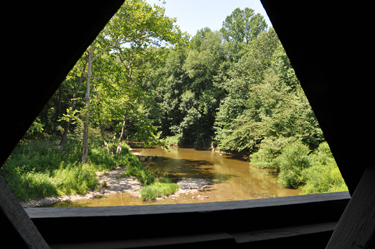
(78, 179)
(154, 185)
(38, 169)
(158, 189)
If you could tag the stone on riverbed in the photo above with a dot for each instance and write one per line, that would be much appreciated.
(193, 183)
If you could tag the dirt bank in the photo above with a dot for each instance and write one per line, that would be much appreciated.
(109, 185)
(112, 186)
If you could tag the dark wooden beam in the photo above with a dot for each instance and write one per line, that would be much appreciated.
(356, 227)
(309, 216)
(54, 36)
(42, 46)
(18, 231)
(327, 46)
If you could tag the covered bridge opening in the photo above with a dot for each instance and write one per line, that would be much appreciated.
(333, 68)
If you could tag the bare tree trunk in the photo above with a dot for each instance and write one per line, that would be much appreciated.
(100, 122)
(129, 72)
(119, 147)
(85, 157)
(101, 131)
(58, 106)
(66, 130)
(114, 144)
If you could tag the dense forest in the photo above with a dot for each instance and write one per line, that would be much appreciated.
(143, 79)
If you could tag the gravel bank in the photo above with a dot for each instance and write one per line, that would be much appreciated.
(116, 185)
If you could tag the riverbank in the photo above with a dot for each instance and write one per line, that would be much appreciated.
(110, 184)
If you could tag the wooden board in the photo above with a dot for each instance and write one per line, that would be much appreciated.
(18, 230)
(356, 227)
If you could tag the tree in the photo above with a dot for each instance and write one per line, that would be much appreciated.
(242, 77)
(138, 25)
(78, 68)
(197, 97)
(243, 26)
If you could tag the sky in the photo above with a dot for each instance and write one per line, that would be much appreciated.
(193, 15)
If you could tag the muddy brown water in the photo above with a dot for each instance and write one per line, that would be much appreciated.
(233, 179)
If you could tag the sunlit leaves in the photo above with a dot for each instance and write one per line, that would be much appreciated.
(243, 26)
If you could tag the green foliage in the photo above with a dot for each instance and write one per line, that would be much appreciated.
(234, 88)
(73, 179)
(172, 140)
(315, 172)
(140, 173)
(38, 169)
(324, 176)
(238, 121)
(245, 136)
(36, 127)
(243, 26)
(292, 161)
(269, 150)
(188, 97)
(159, 189)
(30, 185)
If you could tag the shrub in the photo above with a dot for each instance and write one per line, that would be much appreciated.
(323, 155)
(172, 140)
(268, 151)
(292, 161)
(140, 173)
(158, 189)
(324, 176)
(323, 179)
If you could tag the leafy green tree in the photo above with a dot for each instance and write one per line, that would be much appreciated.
(172, 82)
(243, 26)
(77, 72)
(243, 77)
(137, 24)
(239, 30)
(200, 98)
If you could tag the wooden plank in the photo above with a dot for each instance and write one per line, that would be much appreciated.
(16, 223)
(218, 239)
(182, 208)
(356, 226)
(215, 217)
(283, 232)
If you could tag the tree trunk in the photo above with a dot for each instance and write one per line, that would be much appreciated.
(100, 122)
(65, 134)
(58, 106)
(119, 147)
(105, 141)
(129, 72)
(85, 157)
(66, 130)
(85, 148)
(114, 144)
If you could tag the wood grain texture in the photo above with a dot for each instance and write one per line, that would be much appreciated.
(356, 226)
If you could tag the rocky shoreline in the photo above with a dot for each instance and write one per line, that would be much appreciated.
(109, 185)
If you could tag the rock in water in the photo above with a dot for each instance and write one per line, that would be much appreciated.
(193, 183)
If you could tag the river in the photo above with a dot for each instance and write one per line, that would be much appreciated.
(233, 179)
